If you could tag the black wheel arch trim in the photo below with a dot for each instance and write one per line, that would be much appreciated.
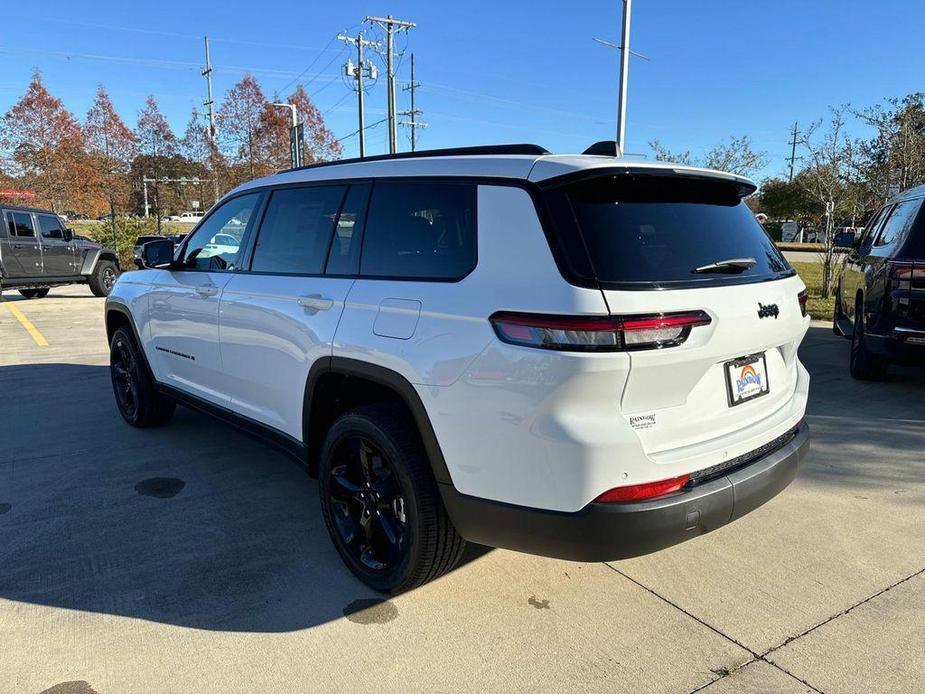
(390, 379)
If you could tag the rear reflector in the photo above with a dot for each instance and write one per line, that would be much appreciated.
(592, 334)
(639, 492)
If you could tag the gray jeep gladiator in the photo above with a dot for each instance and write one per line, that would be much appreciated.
(37, 252)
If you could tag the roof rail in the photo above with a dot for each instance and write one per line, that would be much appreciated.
(447, 152)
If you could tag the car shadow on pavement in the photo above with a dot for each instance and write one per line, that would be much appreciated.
(194, 524)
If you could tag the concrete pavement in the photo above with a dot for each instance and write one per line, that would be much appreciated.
(194, 559)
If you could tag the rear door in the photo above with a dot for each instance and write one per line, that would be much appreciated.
(25, 254)
(57, 254)
(279, 316)
(853, 277)
(660, 244)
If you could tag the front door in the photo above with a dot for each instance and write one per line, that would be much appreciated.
(184, 302)
(58, 254)
(279, 318)
(22, 256)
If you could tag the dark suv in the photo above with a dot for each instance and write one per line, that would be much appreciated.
(880, 300)
(37, 252)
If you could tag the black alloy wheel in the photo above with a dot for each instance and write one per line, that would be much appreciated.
(380, 501)
(139, 402)
(369, 512)
(124, 368)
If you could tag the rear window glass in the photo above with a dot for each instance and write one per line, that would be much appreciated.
(659, 230)
(420, 230)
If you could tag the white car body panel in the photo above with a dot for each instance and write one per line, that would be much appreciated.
(530, 427)
(269, 341)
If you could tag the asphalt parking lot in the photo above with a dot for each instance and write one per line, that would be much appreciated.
(194, 559)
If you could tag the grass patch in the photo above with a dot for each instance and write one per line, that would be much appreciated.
(811, 274)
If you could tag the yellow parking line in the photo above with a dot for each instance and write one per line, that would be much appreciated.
(27, 324)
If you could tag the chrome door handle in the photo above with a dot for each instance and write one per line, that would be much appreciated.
(316, 301)
(207, 291)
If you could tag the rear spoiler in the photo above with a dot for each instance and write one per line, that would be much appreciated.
(743, 186)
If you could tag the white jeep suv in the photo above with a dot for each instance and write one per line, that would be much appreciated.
(577, 356)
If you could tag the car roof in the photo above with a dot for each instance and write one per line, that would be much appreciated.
(20, 208)
(912, 193)
(535, 167)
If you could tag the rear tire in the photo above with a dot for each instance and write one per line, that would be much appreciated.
(35, 293)
(380, 501)
(103, 278)
(864, 364)
(139, 402)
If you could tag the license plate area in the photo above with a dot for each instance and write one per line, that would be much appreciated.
(746, 378)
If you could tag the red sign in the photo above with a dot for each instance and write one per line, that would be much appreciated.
(14, 193)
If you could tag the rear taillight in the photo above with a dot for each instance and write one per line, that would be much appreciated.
(803, 297)
(605, 334)
(640, 492)
(906, 271)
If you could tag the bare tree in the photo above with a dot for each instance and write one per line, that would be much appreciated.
(737, 156)
(894, 159)
(829, 179)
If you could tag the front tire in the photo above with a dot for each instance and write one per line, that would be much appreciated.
(137, 398)
(103, 278)
(35, 293)
(864, 364)
(380, 501)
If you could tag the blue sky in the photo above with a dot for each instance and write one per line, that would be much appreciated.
(492, 71)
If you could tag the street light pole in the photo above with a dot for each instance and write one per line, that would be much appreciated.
(295, 152)
(624, 78)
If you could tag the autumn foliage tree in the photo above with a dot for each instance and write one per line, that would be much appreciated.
(47, 149)
(157, 143)
(112, 146)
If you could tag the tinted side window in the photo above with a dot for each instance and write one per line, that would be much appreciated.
(296, 230)
(344, 258)
(897, 225)
(50, 227)
(23, 221)
(424, 230)
(873, 227)
(216, 244)
(6, 223)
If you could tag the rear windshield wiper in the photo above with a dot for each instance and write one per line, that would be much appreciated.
(731, 265)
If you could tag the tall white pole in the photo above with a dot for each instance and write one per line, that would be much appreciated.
(624, 78)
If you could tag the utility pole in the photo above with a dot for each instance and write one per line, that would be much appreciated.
(624, 78)
(793, 151)
(412, 112)
(390, 25)
(357, 73)
(208, 103)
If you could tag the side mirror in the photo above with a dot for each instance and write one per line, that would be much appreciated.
(68, 234)
(157, 254)
(846, 239)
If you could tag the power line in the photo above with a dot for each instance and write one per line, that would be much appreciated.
(310, 65)
(356, 132)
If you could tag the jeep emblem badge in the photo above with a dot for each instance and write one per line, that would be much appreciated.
(768, 310)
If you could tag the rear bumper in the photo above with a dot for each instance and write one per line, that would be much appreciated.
(602, 532)
(903, 345)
